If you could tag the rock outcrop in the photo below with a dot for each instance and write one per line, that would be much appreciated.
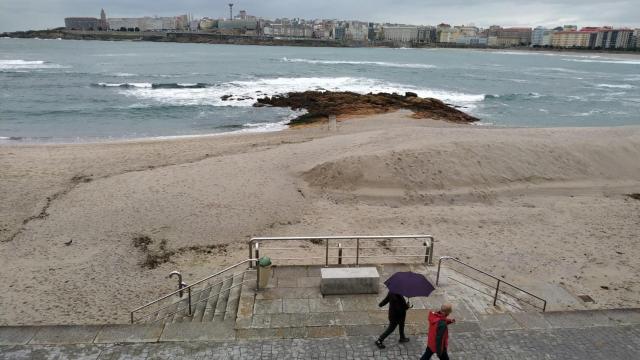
(320, 104)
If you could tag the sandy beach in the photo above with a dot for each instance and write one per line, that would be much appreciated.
(537, 206)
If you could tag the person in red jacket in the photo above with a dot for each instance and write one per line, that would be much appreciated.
(438, 336)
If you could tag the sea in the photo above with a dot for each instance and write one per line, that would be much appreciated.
(85, 91)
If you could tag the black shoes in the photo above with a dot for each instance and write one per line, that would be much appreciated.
(403, 340)
(380, 345)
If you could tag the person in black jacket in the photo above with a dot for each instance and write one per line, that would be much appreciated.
(397, 313)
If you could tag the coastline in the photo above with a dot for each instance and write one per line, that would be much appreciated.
(536, 205)
(210, 38)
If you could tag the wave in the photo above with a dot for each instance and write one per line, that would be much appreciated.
(615, 86)
(514, 96)
(610, 61)
(28, 65)
(245, 93)
(154, 85)
(348, 62)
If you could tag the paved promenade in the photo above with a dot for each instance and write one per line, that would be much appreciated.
(618, 342)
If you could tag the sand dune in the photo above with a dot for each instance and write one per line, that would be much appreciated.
(538, 206)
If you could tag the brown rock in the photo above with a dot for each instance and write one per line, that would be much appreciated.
(321, 104)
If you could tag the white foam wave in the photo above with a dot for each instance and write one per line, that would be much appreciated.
(349, 62)
(133, 85)
(245, 93)
(615, 86)
(124, 74)
(28, 65)
(608, 61)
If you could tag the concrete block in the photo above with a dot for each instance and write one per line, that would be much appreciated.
(364, 280)
(139, 333)
(296, 306)
(16, 335)
(207, 331)
(267, 306)
(531, 320)
(578, 319)
(65, 334)
(624, 316)
(498, 322)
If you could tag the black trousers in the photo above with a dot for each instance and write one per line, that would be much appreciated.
(392, 326)
(428, 353)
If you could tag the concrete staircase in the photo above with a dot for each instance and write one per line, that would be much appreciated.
(216, 300)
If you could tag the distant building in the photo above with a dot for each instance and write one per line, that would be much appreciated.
(81, 23)
(541, 37)
(150, 23)
(404, 34)
(207, 24)
(614, 39)
(571, 39)
(472, 40)
(103, 25)
(448, 35)
(570, 28)
(636, 35)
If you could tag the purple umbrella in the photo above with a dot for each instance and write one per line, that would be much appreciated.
(409, 284)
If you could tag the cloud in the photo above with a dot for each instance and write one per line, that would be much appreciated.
(41, 14)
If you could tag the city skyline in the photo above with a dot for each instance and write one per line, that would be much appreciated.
(39, 14)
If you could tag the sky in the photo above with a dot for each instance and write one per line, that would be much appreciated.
(42, 14)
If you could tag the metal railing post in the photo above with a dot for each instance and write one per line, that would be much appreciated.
(189, 292)
(431, 243)
(357, 252)
(495, 297)
(544, 306)
(426, 253)
(326, 252)
(257, 277)
(250, 251)
(132, 317)
(438, 274)
(257, 254)
(339, 254)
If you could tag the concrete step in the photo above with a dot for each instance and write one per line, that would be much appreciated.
(210, 309)
(166, 314)
(184, 314)
(234, 297)
(221, 305)
(201, 305)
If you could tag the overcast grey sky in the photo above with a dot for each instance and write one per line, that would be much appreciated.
(41, 14)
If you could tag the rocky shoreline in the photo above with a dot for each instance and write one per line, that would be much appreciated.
(321, 104)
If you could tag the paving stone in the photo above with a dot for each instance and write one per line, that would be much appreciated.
(327, 304)
(352, 318)
(260, 321)
(531, 320)
(65, 334)
(417, 316)
(287, 282)
(464, 327)
(498, 322)
(606, 342)
(16, 335)
(462, 312)
(367, 330)
(129, 333)
(378, 316)
(321, 319)
(267, 306)
(207, 331)
(296, 306)
(326, 331)
(359, 302)
(309, 281)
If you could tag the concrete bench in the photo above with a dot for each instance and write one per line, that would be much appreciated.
(336, 281)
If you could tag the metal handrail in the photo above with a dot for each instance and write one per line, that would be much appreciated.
(495, 296)
(189, 287)
(428, 245)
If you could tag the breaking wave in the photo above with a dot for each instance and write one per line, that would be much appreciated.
(615, 86)
(608, 61)
(8, 65)
(347, 62)
(245, 93)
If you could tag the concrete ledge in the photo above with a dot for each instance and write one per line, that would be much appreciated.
(498, 322)
(129, 334)
(65, 334)
(577, 319)
(338, 281)
(16, 335)
(198, 332)
(624, 316)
